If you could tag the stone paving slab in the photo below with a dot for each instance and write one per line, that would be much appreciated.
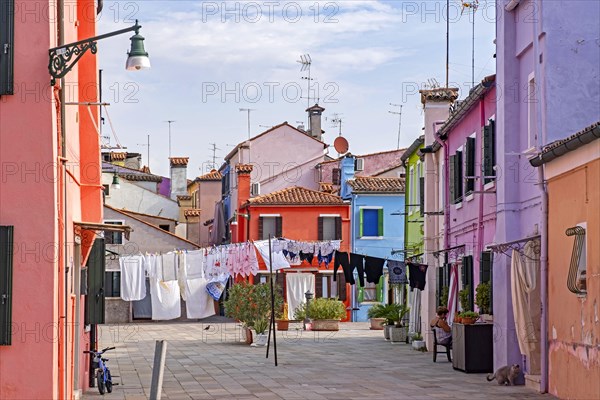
(209, 361)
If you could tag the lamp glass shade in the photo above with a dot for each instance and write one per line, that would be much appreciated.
(115, 182)
(138, 58)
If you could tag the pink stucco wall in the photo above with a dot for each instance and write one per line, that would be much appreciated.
(374, 164)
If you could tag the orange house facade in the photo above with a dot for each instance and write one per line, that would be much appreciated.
(300, 214)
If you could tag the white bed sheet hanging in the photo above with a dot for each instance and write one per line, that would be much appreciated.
(296, 285)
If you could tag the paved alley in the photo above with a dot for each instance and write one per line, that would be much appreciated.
(208, 361)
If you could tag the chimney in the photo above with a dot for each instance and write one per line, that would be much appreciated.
(436, 103)
(314, 114)
(178, 176)
(243, 172)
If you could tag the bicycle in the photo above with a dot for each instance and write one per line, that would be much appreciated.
(103, 376)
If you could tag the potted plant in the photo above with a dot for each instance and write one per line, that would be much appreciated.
(260, 327)
(483, 297)
(444, 296)
(376, 316)
(249, 303)
(398, 332)
(325, 313)
(417, 341)
(281, 317)
(463, 297)
(391, 314)
(469, 317)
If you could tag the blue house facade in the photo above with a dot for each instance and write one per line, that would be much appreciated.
(377, 230)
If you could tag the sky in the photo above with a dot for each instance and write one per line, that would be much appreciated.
(211, 58)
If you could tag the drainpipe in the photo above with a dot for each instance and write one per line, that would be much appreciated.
(446, 184)
(544, 207)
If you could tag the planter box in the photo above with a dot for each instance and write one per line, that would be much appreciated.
(398, 334)
(377, 324)
(325, 325)
(473, 347)
(418, 344)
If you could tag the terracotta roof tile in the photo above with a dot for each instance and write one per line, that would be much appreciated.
(179, 161)
(243, 168)
(184, 197)
(370, 184)
(439, 94)
(326, 187)
(117, 156)
(194, 212)
(141, 177)
(213, 175)
(296, 196)
(145, 169)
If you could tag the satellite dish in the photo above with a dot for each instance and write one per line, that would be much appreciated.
(341, 145)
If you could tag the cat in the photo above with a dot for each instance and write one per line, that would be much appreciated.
(505, 375)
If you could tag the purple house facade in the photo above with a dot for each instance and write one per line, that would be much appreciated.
(467, 145)
(547, 81)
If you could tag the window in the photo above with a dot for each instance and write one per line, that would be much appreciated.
(411, 192)
(422, 195)
(112, 283)
(489, 151)
(336, 176)
(195, 199)
(165, 227)
(371, 292)
(269, 225)
(330, 227)
(7, 28)
(456, 176)
(467, 283)
(106, 190)
(470, 165)
(371, 222)
(485, 275)
(325, 286)
(113, 237)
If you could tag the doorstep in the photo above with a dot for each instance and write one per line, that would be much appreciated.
(533, 382)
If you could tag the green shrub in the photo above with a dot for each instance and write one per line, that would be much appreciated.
(261, 325)
(377, 311)
(444, 296)
(417, 336)
(469, 314)
(464, 296)
(248, 303)
(321, 308)
(482, 297)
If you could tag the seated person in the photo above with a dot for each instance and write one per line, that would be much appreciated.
(443, 332)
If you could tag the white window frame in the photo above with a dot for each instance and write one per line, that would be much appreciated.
(531, 114)
(120, 222)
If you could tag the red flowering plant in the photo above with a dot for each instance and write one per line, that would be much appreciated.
(248, 303)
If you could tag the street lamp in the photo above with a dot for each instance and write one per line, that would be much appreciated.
(115, 183)
(63, 58)
(308, 295)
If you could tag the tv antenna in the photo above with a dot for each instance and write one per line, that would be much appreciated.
(336, 122)
(432, 83)
(213, 147)
(169, 122)
(306, 62)
(399, 113)
(248, 110)
(148, 149)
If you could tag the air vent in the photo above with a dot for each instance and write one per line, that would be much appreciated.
(359, 164)
(255, 189)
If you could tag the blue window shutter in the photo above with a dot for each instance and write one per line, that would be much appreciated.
(380, 222)
(7, 34)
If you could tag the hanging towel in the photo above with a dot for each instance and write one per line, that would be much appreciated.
(199, 303)
(169, 267)
(374, 268)
(133, 278)
(397, 271)
(165, 297)
(523, 276)
(194, 264)
(216, 286)
(153, 266)
(296, 285)
(279, 260)
(414, 324)
(417, 275)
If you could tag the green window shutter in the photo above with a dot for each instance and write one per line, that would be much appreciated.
(94, 306)
(361, 293)
(467, 277)
(440, 285)
(7, 35)
(470, 164)
(338, 228)
(379, 289)
(380, 222)
(451, 179)
(279, 227)
(360, 223)
(458, 177)
(489, 150)
(6, 273)
(422, 195)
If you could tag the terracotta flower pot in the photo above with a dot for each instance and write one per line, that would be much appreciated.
(247, 335)
(377, 324)
(457, 319)
(468, 321)
(283, 324)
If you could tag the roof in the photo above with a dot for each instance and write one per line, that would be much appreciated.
(412, 148)
(285, 123)
(243, 168)
(296, 195)
(316, 107)
(561, 147)
(150, 225)
(179, 161)
(114, 156)
(439, 94)
(326, 187)
(387, 169)
(213, 175)
(129, 173)
(147, 215)
(193, 212)
(372, 184)
(145, 169)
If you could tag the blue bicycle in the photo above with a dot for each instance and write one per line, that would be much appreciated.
(103, 376)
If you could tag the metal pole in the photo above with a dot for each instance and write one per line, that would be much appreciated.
(447, 40)
(473, 52)
(399, 126)
(272, 319)
(148, 160)
(249, 135)
(160, 352)
(170, 122)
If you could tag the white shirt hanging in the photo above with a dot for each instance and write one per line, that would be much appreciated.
(278, 259)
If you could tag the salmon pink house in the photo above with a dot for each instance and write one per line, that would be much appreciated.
(295, 213)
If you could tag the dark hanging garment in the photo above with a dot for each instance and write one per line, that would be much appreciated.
(417, 275)
(357, 261)
(374, 268)
(341, 260)
(397, 271)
